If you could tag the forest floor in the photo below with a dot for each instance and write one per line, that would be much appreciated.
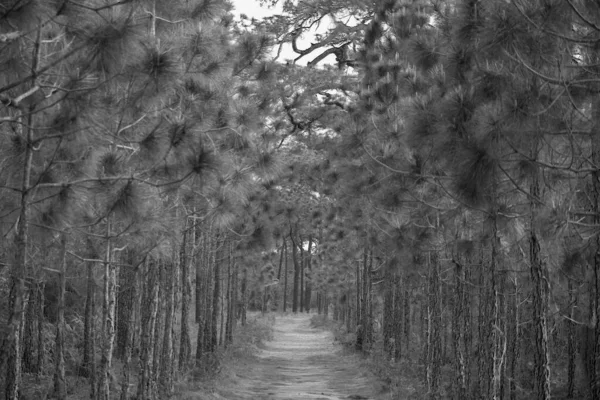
(301, 362)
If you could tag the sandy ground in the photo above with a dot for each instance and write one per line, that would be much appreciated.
(300, 363)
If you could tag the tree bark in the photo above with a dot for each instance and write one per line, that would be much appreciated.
(230, 296)
(60, 389)
(29, 361)
(185, 343)
(150, 308)
(460, 353)
(215, 304)
(301, 289)
(244, 294)
(10, 351)
(296, 287)
(571, 342)
(307, 278)
(128, 345)
(540, 294)
(285, 276)
(41, 348)
(108, 318)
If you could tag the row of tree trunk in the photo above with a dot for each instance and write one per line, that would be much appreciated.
(140, 313)
(489, 324)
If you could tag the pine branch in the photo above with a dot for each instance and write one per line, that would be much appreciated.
(43, 69)
(553, 33)
(16, 102)
(580, 15)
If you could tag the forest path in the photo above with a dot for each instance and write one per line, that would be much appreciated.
(300, 362)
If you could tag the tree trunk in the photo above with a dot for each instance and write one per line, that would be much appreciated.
(366, 300)
(215, 304)
(149, 312)
(592, 366)
(358, 307)
(222, 309)
(460, 353)
(296, 288)
(158, 326)
(540, 294)
(571, 342)
(230, 296)
(41, 348)
(10, 351)
(88, 367)
(29, 361)
(513, 341)
(307, 273)
(285, 277)
(280, 259)
(124, 308)
(185, 343)
(128, 349)
(199, 266)
(243, 290)
(108, 318)
(201, 277)
(60, 389)
(209, 287)
(433, 347)
(398, 316)
(301, 264)
(540, 304)
(389, 315)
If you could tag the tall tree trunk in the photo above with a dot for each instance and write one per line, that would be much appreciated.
(60, 389)
(594, 358)
(460, 353)
(280, 259)
(149, 312)
(199, 266)
(185, 343)
(209, 287)
(89, 343)
(540, 294)
(41, 348)
(388, 316)
(398, 314)
(29, 361)
(222, 309)
(307, 273)
(366, 299)
(124, 307)
(158, 326)
(296, 288)
(540, 304)
(513, 340)
(230, 296)
(244, 294)
(235, 298)
(301, 289)
(201, 273)
(571, 342)
(433, 363)
(128, 349)
(108, 318)
(285, 277)
(10, 351)
(215, 304)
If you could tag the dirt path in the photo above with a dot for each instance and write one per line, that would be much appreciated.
(300, 363)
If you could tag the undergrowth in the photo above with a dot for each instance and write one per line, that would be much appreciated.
(400, 379)
(203, 380)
